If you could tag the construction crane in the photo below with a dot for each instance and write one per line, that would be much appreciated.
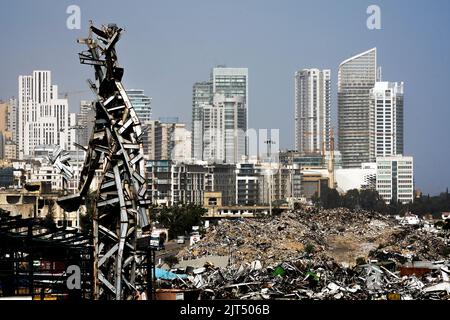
(331, 173)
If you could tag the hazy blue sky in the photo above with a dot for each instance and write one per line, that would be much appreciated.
(168, 45)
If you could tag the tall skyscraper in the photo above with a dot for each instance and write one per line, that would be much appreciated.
(312, 110)
(386, 120)
(357, 76)
(235, 125)
(213, 133)
(43, 118)
(201, 96)
(224, 129)
(232, 82)
(85, 122)
(141, 103)
(227, 89)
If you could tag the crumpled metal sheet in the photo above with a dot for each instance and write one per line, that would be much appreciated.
(270, 259)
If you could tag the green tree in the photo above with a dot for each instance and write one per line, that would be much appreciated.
(351, 199)
(180, 219)
(334, 199)
(394, 207)
(380, 206)
(369, 199)
(329, 198)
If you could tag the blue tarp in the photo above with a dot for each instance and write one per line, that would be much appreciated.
(167, 275)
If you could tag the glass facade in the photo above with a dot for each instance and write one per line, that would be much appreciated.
(357, 76)
(141, 103)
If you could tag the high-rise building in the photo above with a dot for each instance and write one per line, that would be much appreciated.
(141, 103)
(8, 129)
(167, 141)
(312, 110)
(357, 76)
(85, 122)
(148, 139)
(180, 143)
(227, 89)
(235, 126)
(213, 128)
(386, 120)
(232, 82)
(3, 116)
(224, 129)
(395, 178)
(43, 118)
(201, 96)
(13, 115)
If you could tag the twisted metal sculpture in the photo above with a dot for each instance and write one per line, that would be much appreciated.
(115, 147)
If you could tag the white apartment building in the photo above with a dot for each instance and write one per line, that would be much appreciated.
(213, 133)
(386, 120)
(312, 110)
(224, 129)
(43, 118)
(395, 178)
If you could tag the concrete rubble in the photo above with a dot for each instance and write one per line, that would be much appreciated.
(328, 254)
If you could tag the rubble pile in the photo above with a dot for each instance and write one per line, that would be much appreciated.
(307, 255)
(412, 244)
(284, 237)
(271, 240)
(314, 278)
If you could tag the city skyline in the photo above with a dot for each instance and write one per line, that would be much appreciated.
(421, 127)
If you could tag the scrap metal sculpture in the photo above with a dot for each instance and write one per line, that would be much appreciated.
(115, 147)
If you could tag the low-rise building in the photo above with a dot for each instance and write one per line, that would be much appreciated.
(395, 178)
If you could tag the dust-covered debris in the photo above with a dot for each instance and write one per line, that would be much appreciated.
(327, 254)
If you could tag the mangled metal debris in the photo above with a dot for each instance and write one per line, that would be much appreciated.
(115, 147)
(293, 257)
